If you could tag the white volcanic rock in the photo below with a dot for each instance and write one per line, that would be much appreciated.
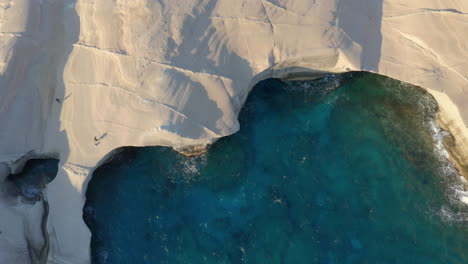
(176, 73)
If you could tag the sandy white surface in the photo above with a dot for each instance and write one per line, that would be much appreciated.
(176, 73)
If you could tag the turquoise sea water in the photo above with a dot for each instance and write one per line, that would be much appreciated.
(336, 170)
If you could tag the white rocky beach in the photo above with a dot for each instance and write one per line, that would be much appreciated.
(81, 78)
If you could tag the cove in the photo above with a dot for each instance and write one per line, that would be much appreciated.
(343, 169)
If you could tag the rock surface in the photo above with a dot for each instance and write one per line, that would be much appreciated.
(80, 78)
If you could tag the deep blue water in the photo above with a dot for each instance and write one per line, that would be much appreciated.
(337, 170)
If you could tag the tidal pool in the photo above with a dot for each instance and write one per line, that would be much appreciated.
(344, 169)
(34, 177)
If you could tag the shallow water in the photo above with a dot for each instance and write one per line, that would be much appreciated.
(337, 170)
(34, 176)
